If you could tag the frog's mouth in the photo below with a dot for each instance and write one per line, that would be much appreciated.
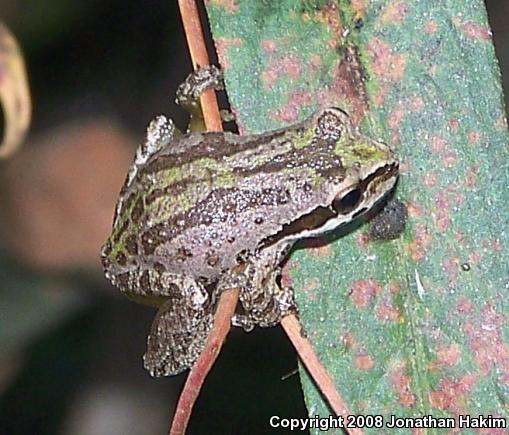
(346, 206)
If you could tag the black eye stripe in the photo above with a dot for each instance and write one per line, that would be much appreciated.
(319, 216)
(308, 222)
(383, 173)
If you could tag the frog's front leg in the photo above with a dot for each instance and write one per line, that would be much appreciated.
(199, 81)
(181, 325)
(160, 133)
(189, 92)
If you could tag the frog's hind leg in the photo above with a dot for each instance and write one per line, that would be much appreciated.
(176, 338)
(181, 325)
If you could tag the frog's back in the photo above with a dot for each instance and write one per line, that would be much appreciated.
(206, 199)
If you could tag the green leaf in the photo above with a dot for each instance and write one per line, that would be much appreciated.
(419, 325)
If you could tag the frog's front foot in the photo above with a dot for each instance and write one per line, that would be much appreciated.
(188, 93)
(266, 310)
(263, 302)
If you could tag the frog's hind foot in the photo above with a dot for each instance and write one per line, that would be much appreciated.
(181, 325)
(177, 338)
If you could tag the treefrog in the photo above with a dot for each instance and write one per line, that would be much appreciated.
(203, 212)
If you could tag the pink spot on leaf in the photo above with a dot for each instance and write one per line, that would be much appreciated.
(472, 176)
(474, 258)
(454, 124)
(494, 244)
(386, 311)
(464, 306)
(363, 240)
(269, 46)
(289, 65)
(430, 179)
(321, 250)
(451, 266)
(448, 356)
(450, 158)
(450, 394)
(438, 144)
(331, 15)
(415, 209)
(362, 292)
(394, 287)
(431, 27)
(380, 95)
(396, 117)
(387, 65)
(223, 45)
(441, 147)
(315, 62)
(487, 342)
(416, 104)
(359, 6)
(395, 12)
(422, 241)
(348, 340)
(401, 382)
(364, 362)
(475, 31)
(474, 137)
(290, 112)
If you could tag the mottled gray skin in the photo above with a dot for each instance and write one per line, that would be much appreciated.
(204, 212)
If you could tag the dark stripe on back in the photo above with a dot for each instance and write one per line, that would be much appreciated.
(214, 147)
(174, 189)
(324, 161)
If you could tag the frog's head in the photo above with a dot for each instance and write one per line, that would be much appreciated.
(353, 173)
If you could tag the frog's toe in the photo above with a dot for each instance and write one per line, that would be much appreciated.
(176, 339)
(200, 80)
(285, 301)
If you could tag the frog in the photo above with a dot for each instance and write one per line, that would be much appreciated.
(203, 212)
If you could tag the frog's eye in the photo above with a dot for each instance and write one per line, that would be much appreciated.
(346, 203)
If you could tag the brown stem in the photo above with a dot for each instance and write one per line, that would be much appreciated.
(200, 57)
(326, 385)
(229, 298)
(202, 366)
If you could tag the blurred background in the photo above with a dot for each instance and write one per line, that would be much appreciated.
(71, 345)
